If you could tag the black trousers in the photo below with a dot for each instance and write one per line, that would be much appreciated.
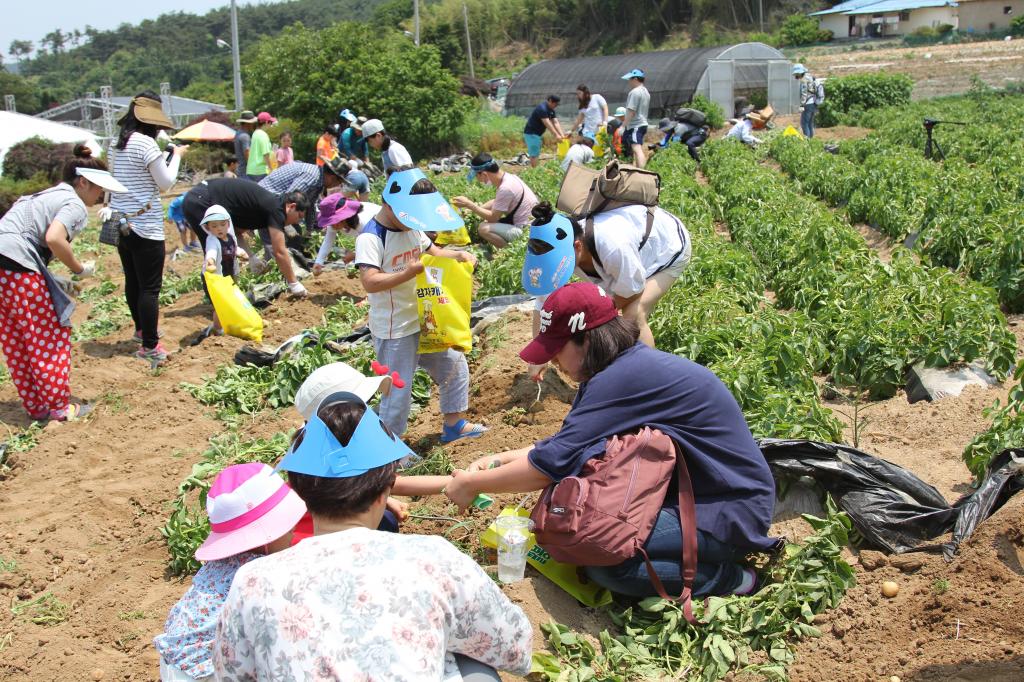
(143, 263)
(693, 142)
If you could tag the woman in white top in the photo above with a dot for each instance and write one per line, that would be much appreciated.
(635, 266)
(393, 154)
(141, 167)
(593, 111)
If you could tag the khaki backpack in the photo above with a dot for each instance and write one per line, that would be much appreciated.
(586, 192)
(604, 515)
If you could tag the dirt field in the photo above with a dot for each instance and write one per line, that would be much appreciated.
(80, 514)
(936, 69)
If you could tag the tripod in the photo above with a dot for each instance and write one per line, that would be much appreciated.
(932, 149)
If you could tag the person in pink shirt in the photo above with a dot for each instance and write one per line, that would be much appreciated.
(285, 153)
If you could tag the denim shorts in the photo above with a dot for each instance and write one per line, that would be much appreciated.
(635, 135)
(356, 181)
(533, 144)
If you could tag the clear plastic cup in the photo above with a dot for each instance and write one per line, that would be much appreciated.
(513, 540)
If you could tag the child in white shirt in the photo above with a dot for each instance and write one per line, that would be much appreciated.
(221, 250)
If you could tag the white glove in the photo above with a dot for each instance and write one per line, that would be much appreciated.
(105, 213)
(801, 110)
(291, 231)
(296, 289)
(88, 269)
(68, 286)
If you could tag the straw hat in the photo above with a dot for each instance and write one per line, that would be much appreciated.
(147, 111)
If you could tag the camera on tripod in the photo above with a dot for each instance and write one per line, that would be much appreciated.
(931, 145)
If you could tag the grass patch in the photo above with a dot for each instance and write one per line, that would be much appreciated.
(138, 614)
(437, 463)
(488, 131)
(101, 290)
(175, 286)
(8, 565)
(187, 526)
(106, 317)
(45, 609)
(26, 439)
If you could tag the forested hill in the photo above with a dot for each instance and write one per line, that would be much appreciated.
(180, 48)
(506, 35)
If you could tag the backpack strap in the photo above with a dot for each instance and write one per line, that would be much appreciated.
(588, 233)
(688, 527)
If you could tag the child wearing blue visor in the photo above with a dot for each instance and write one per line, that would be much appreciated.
(355, 601)
(388, 254)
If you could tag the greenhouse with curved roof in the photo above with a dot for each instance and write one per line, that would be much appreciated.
(674, 77)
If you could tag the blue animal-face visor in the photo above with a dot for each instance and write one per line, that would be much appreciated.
(320, 454)
(421, 212)
(550, 257)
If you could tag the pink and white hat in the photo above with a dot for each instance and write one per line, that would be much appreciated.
(249, 506)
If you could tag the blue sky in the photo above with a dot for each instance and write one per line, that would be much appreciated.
(29, 21)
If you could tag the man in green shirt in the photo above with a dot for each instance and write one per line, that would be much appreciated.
(260, 149)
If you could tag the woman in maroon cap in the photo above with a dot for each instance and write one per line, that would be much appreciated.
(626, 385)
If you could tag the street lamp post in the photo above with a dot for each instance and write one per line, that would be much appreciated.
(235, 59)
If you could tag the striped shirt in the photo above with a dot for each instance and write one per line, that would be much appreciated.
(131, 167)
(297, 176)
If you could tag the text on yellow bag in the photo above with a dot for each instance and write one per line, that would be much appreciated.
(444, 294)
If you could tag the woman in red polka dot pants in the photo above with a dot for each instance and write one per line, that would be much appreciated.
(35, 312)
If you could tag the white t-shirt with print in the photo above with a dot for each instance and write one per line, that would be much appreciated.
(131, 167)
(593, 114)
(625, 266)
(393, 313)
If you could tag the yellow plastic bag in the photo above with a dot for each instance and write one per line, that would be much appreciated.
(790, 131)
(237, 316)
(600, 142)
(563, 148)
(565, 576)
(444, 293)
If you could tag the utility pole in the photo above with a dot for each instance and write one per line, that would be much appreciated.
(469, 45)
(235, 60)
(760, 13)
(416, 22)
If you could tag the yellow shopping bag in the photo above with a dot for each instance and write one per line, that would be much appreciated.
(790, 131)
(236, 314)
(565, 576)
(563, 148)
(444, 293)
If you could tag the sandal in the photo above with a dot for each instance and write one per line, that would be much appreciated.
(459, 430)
(73, 412)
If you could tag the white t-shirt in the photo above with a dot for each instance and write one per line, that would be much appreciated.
(593, 113)
(624, 266)
(131, 167)
(363, 604)
(580, 153)
(393, 313)
(396, 156)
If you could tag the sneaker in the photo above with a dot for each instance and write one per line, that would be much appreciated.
(73, 412)
(137, 336)
(194, 248)
(157, 355)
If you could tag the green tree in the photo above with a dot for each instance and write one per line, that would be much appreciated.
(20, 49)
(800, 29)
(26, 95)
(310, 75)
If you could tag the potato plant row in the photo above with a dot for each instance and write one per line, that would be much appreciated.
(966, 222)
(877, 318)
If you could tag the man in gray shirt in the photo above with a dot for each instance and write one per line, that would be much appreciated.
(635, 124)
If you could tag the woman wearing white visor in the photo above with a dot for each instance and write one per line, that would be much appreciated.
(35, 310)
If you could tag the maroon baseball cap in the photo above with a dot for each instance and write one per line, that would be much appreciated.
(568, 311)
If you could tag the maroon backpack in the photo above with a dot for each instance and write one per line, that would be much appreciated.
(604, 515)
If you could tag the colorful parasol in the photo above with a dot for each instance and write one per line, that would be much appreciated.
(206, 131)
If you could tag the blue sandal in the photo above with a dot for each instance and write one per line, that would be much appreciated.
(455, 432)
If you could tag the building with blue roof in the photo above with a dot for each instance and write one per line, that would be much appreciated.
(879, 18)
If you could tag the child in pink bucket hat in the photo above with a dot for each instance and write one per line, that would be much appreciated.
(252, 512)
